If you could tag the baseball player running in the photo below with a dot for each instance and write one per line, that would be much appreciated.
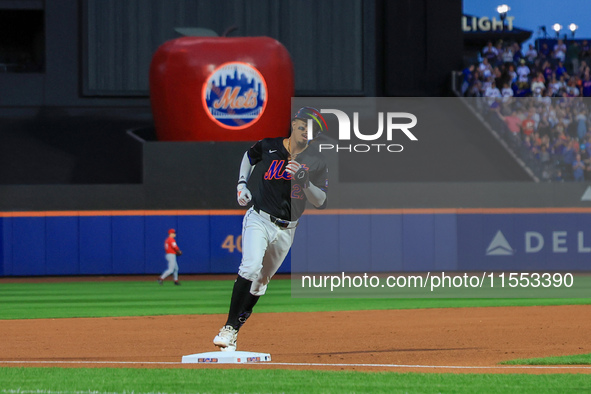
(294, 174)
(172, 250)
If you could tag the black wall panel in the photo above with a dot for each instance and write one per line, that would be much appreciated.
(422, 45)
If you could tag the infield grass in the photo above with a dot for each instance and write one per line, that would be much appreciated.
(137, 381)
(147, 298)
(578, 359)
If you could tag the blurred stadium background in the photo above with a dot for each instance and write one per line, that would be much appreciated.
(79, 156)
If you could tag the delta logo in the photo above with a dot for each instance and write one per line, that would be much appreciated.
(499, 246)
(557, 241)
(235, 95)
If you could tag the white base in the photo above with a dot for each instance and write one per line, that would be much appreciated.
(235, 357)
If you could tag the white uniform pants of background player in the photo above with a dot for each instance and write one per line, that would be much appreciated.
(264, 247)
(173, 267)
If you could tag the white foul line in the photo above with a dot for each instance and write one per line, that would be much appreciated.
(312, 364)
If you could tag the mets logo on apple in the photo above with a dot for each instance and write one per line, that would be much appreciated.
(235, 95)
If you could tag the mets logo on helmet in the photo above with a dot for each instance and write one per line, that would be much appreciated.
(235, 95)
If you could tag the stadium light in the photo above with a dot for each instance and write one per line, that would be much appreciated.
(502, 10)
(573, 28)
(557, 27)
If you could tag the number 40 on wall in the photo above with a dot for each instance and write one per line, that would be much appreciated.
(232, 243)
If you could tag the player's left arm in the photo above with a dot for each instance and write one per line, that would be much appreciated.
(176, 248)
(317, 188)
(316, 196)
(313, 184)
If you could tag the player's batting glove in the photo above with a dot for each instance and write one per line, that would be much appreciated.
(243, 194)
(292, 167)
(298, 173)
(302, 177)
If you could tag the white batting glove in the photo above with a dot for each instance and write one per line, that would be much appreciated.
(292, 167)
(243, 194)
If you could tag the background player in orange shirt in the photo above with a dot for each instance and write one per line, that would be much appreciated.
(172, 250)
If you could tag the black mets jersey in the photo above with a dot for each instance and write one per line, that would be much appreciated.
(276, 194)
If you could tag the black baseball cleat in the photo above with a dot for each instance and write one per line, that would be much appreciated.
(177, 283)
(160, 281)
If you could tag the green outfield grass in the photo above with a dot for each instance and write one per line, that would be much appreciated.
(579, 359)
(147, 298)
(137, 381)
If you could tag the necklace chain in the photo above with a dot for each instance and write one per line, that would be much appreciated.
(291, 156)
(289, 150)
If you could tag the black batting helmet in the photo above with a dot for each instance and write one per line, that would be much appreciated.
(318, 123)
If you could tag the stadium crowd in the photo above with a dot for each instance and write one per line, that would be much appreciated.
(537, 98)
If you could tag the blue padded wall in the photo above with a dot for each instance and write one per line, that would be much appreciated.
(96, 245)
(62, 246)
(107, 243)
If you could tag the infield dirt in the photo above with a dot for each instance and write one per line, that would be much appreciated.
(462, 337)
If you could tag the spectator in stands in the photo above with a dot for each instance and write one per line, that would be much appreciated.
(545, 52)
(528, 124)
(556, 84)
(537, 85)
(507, 55)
(585, 54)
(531, 54)
(560, 70)
(560, 141)
(475, 89)
(507, 93)
(535, 115)
(552, 116)
(517, 54)
(583, 68)
(581, 121)
(578, 168)
(546, 100)
(547, 70)
(468, 78)
(498, 76)
(527, 143)
(544, 127)
(543, 155)
(492, 92)
(546, 142)
(485, 68)
(564, 116)
(536, 144)
(571, 88)
(487, 83)
(499, 47)
(562, 87)
(586, 85)
(569, 153)
(523, 72)
(559, 51)
(587, 160)
(490, 53)
(573, 53)
(513, 122)
(521, 89)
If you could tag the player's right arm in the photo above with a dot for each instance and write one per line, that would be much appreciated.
(249, 160)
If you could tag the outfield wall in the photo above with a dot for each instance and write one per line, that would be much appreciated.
(131, 242)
